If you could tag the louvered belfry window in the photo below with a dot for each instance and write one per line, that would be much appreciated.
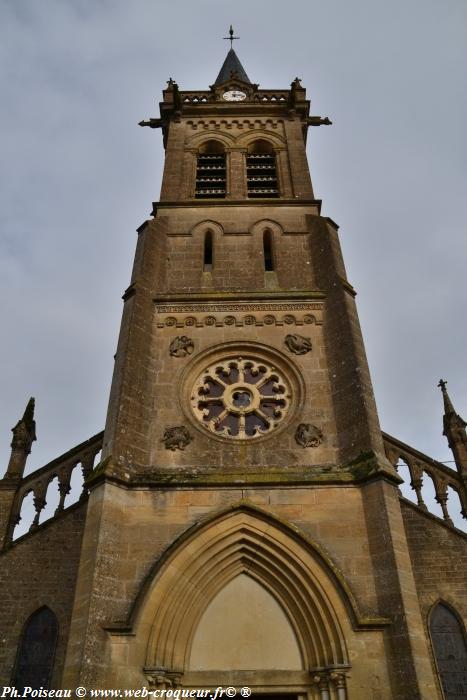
(261, 171)
(211, 172)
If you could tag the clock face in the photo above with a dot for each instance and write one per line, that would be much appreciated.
(234, 95)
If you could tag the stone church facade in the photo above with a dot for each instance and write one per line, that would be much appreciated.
(243, 525)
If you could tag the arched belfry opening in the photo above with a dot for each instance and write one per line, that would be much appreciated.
(261, 170)
(251, 597)
(450, 650)
(211, 171)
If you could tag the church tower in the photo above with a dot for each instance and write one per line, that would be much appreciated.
(244, 526)
(242, 414)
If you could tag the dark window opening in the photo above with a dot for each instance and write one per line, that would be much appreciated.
(267, 250)
(261, 171)
(36, 653)
(450, 651)
(207, 263)
(210, 171)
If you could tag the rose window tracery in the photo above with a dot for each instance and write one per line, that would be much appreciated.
(241, 397)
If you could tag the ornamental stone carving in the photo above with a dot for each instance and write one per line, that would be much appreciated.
(161, 678)
(308, 435)
(181, 346)
(241, 397)
(176, 438)
(297, 344)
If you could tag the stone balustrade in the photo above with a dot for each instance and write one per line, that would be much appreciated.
(420, 467)
(84, 457)
(200, 97)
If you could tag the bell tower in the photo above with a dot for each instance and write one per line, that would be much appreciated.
(242, 456)
(240, 339)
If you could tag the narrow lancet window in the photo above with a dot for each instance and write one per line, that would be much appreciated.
(261, 171)
(210, 171)
(450, 651)
(207, 262)
(267, 251)
(36, 653)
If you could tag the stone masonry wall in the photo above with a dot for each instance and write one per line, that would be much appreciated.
(137, 525)
(439, 560)
(40, 569)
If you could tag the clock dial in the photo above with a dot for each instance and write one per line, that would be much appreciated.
(234, 95)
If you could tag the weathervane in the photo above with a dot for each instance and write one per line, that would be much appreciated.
(231, 37)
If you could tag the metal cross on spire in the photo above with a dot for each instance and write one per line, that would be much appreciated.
(231, 37)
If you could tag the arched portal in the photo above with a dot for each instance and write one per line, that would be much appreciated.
(246, 572)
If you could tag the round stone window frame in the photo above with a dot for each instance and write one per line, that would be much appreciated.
(246, 350)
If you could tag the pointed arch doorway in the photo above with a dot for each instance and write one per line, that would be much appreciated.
(242, 601)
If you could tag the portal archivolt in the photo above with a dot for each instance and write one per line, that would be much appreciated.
(205, 569)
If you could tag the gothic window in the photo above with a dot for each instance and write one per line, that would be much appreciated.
(36, 653)
(261, 171)
(207, 254)
(267, 251)
(449, 646)
(210, 171)
(241, 397)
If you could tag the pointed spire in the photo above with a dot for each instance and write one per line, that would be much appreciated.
(454, 430)
(28, 416)
(232, 68)
(24, 432)
(449, 410)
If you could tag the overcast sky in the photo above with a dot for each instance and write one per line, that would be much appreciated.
(78, 177)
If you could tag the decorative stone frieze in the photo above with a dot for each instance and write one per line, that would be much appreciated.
(238, 314)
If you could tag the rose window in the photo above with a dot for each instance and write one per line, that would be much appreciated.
(241, 398)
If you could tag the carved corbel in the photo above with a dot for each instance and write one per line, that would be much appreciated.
(160, 678)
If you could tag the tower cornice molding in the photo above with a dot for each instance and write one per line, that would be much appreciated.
(256, 203)
(242, 296)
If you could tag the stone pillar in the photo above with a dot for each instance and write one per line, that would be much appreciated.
(299, 171)
(24, 434)
(441, 488)
(322, 682)
(189, 173)
(408, 649)
(283, 174)
(417, 482)
(236, 173)
(338, 681)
